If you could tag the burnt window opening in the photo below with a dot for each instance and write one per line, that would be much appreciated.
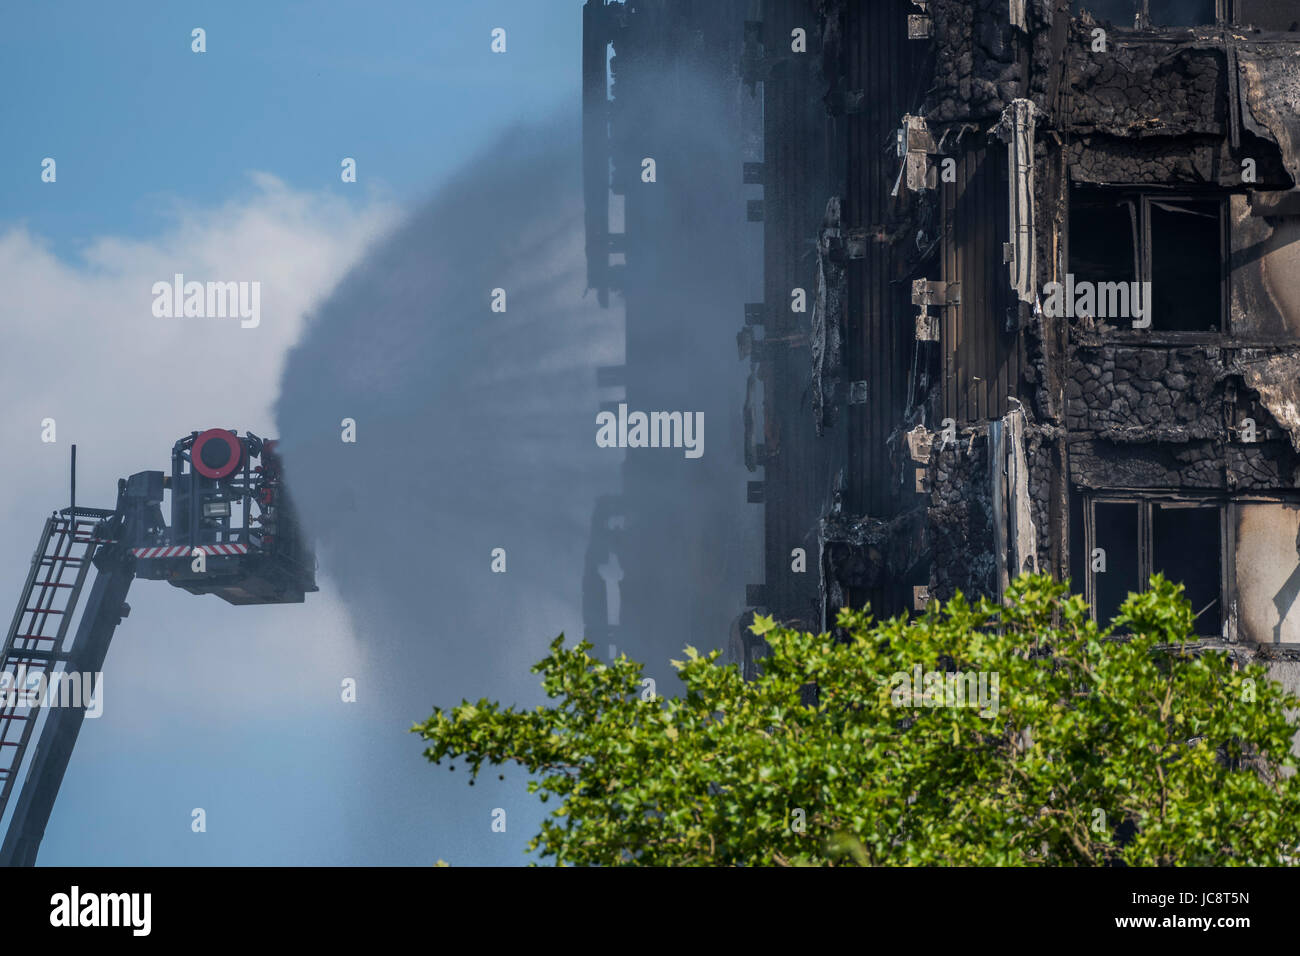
(1237, 558)
(1103, 238)
(1153, 14)
(1113, 556)
(1181, 13)
(1129, 540)
(1122, 13)
(1176, 243)
(1185, 264)
(1187, 546)
(1274, 15)
(1078, 556)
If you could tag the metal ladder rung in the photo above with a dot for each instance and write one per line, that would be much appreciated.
(35, 654)
(66, 547)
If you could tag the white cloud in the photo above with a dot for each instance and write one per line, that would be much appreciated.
(82, 346)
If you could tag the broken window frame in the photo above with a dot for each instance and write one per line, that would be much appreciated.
(1142, 198)
(1142, 15)
(1146, 501)
(1144, 233)
(1239, 17)
(1225, 11)
(1119, 197)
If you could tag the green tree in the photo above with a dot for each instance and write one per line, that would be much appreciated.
(1130, 744)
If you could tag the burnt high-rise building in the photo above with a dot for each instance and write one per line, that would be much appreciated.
(1029, 299)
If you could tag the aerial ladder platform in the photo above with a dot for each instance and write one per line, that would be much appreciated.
(234, 533)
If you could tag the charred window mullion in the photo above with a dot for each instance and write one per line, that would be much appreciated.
(1135, 230)
(1144, 232)
(1144, 545)
(1228, 563)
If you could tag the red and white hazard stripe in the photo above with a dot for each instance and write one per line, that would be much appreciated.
(185, 550)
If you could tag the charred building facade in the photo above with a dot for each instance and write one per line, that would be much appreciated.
(1053, 310)
(1031, 301)
(667, 128)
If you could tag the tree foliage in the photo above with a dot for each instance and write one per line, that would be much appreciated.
(1130, 744)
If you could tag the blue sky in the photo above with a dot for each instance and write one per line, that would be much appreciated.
(227, 163)
(135, 120)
